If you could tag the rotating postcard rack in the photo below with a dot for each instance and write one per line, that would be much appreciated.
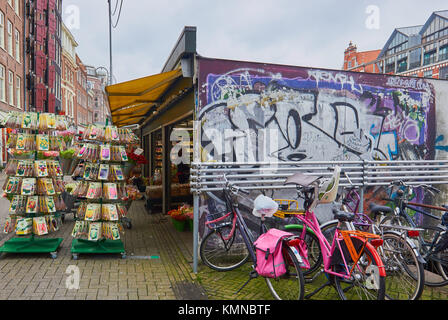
(101, 191)
(35, 182)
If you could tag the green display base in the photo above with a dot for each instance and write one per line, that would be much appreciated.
(92, 247)
(31, 245)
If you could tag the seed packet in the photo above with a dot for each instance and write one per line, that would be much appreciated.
(40, 227)
(29, 120)
(50, 205)
(21, 167)
(124, 156)
(109, 212)
(24, 226)
(20, 145)
(54, 223)
(14, 205)
(10, 225)
(83, 151)
(43, 142)
(28, 186)
(110, 191)
(104, 172)
(94, 190)
(94, 231)
(32, 204)
(118, 172)
(105, 153)
(41, 168)
(51, 120)
(115, 231)
(93, 212)
(13, 185)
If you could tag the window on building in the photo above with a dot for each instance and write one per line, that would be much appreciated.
(2, 84)
(10, 49)
(427, 74)
(443, 50)
(11, 88)
(2, 30)
(17, 38)
(390, 65)
(17, 7)
(430, 55)
(402, 62)
(18, 92)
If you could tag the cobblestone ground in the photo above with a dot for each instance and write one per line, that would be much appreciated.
(158, 267)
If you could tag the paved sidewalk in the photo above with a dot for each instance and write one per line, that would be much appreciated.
(158, 267)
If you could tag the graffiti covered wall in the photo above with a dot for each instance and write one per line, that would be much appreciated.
(314, 114)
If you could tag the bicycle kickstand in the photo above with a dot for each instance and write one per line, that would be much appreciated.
(328, 283)
(253, 274)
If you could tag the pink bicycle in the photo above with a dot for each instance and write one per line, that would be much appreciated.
(351, 262)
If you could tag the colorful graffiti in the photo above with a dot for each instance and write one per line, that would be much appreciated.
(323, 115)
(315, 115)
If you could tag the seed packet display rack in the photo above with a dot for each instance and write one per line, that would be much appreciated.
(102, 206)
(36, 186)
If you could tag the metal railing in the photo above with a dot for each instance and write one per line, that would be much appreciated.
(209, 177)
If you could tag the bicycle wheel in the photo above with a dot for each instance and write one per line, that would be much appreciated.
(405, 273)
(365, 282)
(223, 255)
(436, 267)
(290, 286)
(328, 230)
(313, 248)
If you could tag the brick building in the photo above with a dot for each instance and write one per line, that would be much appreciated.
(12, 67)
(419, 51)
(96, 82)
(69, 74)
(359, 61)
(43, 55)
(81, 104)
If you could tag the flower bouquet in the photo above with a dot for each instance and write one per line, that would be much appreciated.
(178, 219)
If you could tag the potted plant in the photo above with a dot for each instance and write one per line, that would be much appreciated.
(178, 219)
(66, 159)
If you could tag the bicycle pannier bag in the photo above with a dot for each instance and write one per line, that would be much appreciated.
(268, 247)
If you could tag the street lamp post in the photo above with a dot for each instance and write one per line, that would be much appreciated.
(110, 42)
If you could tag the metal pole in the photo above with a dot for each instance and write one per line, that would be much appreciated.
(195, 231)
(110, 43)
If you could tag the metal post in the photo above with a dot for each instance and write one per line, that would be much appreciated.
(195, 231)
(110, 43)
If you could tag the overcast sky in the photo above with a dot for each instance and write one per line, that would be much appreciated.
(293, 32)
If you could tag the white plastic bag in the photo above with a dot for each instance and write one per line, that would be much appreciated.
(264, 206)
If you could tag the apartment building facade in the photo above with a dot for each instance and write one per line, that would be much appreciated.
(43, 55)
(12, 67)
(69, 74)
(81, 108)
(419, 51)
(96, 82)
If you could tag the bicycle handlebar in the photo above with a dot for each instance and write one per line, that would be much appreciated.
(423, 185)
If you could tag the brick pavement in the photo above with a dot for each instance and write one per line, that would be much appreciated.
(158, 267)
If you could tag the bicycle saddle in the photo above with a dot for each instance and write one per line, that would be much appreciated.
(301, 179)
(343, 215)
(375, 209)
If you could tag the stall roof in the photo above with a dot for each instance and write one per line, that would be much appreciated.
(131, 101)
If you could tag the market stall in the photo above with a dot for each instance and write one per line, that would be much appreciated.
(35, 182)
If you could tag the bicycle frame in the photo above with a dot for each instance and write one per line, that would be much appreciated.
(242, 226)
(310, 221)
